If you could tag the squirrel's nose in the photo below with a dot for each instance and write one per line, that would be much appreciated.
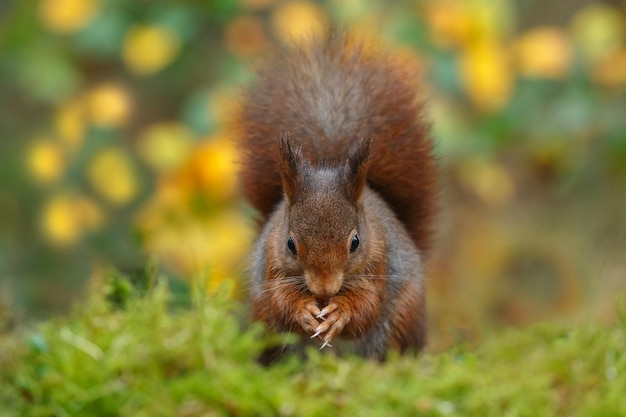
(324, 287)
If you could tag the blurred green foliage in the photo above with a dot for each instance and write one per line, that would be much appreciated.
(114, 145)
(146, 360)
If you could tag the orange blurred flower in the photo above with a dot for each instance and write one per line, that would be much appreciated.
(109, 105)
(297, 20)
(611, 70)
(543, 53)
(245, 36)
(450, 23)
(461, 23)
(213, 165)
(193, 246)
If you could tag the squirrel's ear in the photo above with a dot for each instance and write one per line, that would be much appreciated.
(356, 169)
(290, 163)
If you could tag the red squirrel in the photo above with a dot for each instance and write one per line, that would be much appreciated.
(337, 159)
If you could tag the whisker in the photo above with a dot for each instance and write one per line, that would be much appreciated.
(379, 277)
(290, 279)
(375, 276)
(248, 283)
(288, 282)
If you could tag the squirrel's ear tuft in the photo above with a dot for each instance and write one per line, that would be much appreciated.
(357, 166)
(290, 163)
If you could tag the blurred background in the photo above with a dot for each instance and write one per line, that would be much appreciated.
(114, 151)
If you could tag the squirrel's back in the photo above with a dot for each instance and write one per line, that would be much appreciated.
(326, 94)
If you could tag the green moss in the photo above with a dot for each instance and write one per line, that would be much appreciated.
(147, 360)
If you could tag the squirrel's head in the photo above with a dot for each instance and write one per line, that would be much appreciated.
(325, 234)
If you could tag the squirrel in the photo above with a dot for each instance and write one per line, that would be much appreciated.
(337, 159)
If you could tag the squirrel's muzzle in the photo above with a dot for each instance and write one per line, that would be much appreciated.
(325, 286)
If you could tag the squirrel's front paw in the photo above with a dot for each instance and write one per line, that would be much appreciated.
(307, 316)
(333, 324)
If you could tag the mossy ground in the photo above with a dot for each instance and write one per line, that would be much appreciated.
(147, 359)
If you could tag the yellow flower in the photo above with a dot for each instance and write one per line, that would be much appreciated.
(165, 146)
(450, 23)
(488, 180)
(149, 49)
(45, 161)
(214, 166)
(67, 216)
(67, 16)
(460, 23)
(112, 175)
(486, 75)
(59, 222)
(543, 53)
(109, 105)
(228, 237)
(227, 241)
(192, 246)
(598, 30)
(70, 124)
(296, 20)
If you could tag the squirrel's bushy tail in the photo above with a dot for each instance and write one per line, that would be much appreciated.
(326, 93)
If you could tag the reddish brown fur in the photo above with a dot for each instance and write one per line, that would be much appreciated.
(407, 329)
(327, 95)
(334, 149)
(286, 308)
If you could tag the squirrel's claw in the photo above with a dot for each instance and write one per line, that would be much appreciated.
(318, 331)
(327, 310)
(333, 324)
(326, 343)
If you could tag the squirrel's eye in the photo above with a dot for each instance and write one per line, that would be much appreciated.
(354, 244)
(291, 246)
